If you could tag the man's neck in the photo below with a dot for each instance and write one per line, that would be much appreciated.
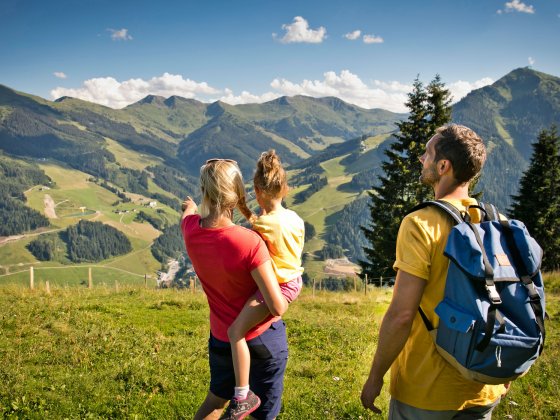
(449, 190)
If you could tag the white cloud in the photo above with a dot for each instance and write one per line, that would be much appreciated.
(350, 88)
(393, 86)
(390, 95)
(460, 89)
(517, 6)
(373, 39)
(531, 61)
(247, 97)
(110, 92)
(60, 74)
(299, 31)
(120, 34)
(352, 36)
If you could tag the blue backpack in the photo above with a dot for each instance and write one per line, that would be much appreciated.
(492, 316)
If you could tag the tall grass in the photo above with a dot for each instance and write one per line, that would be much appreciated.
(141, 353)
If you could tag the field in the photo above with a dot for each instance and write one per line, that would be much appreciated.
(74, 198)
(140, 353)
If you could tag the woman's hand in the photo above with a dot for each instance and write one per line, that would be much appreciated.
(188, 207)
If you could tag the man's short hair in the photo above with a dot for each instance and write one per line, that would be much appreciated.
(463, 148)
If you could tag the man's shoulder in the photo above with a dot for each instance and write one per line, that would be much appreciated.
(426, 215)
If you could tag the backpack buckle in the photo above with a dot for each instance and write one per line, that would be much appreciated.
(493, 294)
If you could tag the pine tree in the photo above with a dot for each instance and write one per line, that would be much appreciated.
(538, 201)
(439, 104)
(400, 188)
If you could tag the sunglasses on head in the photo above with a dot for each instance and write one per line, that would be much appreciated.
(220, 160)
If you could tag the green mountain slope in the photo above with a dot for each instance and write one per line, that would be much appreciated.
(174, 117)
(155, 147)
(509, 114)
(229, 135)
(314, 123)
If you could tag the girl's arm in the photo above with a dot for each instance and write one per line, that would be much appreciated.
(268, 285)
(189, 207)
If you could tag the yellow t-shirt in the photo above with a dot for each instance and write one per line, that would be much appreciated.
(283, 232)
(420, 377)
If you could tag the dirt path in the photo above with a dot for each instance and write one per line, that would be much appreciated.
(5, 239)
(49, 207)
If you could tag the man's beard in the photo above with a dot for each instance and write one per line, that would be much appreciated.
(429, 175)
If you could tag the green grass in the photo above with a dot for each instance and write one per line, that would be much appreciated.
(502, 132)
(75, 275)
(129, 158)
(142, 353)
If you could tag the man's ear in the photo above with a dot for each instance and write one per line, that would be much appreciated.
(443, 166)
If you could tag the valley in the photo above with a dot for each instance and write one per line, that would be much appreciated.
(130, 168)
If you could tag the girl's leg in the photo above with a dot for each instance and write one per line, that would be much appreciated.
(252, 313)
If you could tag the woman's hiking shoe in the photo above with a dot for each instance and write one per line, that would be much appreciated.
(239, 409)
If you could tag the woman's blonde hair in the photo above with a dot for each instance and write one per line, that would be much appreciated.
(270, 177)
(222, 186)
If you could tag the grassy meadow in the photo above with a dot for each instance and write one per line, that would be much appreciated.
(136, 352)
(76, 198)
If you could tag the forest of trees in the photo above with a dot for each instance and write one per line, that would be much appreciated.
(15, 178)
(48, 247)
(84, 242)
(346, 228)
(331, 251)
(95, 241)
(155, 221)
(310, 231)
(537, 203)
(176, 182)
(169, 244)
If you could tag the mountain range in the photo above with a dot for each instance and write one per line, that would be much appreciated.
(165, 140)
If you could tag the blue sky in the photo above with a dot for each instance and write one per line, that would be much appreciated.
(366, 52)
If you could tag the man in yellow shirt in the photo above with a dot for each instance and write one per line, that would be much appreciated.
(423, 384)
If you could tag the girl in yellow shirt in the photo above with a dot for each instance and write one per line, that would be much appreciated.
(283, 232)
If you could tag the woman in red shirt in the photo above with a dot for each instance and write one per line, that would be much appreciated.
(232, 262)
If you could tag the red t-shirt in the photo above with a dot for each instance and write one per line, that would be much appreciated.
(223, 259)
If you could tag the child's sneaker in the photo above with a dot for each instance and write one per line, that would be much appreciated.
(239, 409)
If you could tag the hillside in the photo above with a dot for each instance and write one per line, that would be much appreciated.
(509, 114)
(153, 150)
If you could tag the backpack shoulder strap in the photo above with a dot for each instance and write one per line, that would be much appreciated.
(457, 217)
(448, 208)
(490, 213)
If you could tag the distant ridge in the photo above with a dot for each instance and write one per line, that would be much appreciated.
(508, 115)
(182, 131)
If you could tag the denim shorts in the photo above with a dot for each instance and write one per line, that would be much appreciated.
(269, 356)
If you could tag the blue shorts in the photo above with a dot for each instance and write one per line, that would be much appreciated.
(269, 356)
